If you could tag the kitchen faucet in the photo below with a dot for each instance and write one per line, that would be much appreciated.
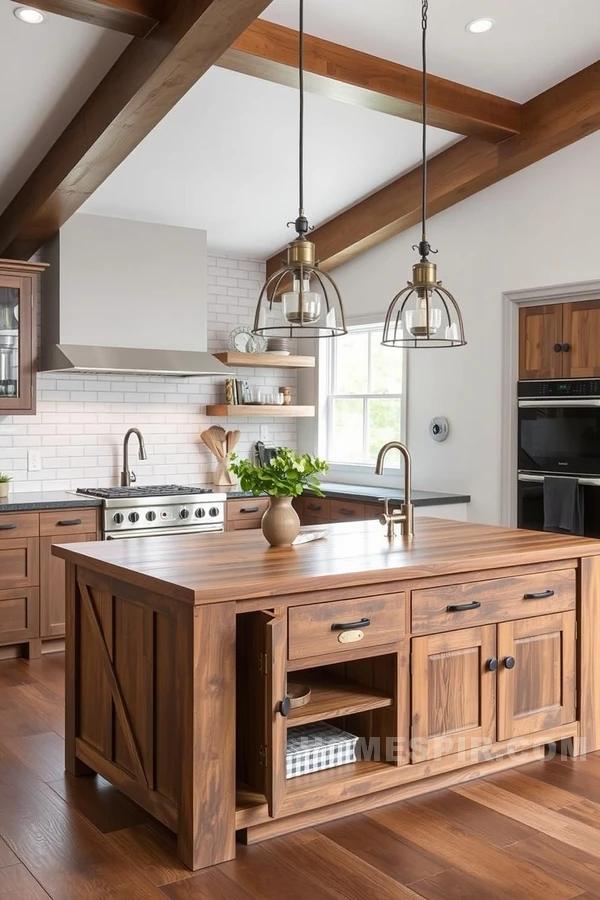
(127, 476)
(405, 515)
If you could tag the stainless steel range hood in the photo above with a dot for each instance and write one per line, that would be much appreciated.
(130, 361)
(128, 298)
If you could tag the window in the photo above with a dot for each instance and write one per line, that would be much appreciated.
(365, 403)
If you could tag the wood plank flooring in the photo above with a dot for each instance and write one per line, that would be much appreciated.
(529, 834)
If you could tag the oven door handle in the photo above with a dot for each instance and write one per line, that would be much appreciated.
(591, 482)
(160, 532)
(558, 404)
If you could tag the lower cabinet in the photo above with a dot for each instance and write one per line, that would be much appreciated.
(19, 615)
(493, 683)
(52, 583)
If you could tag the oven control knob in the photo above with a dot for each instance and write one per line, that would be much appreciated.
(151, 515)
(184, 513)
(118, 518)
(213, 511)
(200, 513)
(134, 517)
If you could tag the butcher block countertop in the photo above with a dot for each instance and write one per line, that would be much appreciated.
(206, 568)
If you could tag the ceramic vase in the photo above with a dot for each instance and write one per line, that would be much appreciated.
(3, 490)
(280, 523)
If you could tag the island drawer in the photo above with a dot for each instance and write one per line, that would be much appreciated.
(246, 513)
(324, 628)
(68, 521)
(19, 525)
(498, 600)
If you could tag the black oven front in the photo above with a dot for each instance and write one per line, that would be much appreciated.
(559, 427)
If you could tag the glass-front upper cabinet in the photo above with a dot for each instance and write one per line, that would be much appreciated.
(18, 335)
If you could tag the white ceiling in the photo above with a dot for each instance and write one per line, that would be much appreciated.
(46, 72)
(534, 43)
(225, 160)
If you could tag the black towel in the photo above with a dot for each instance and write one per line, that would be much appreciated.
(563, 505)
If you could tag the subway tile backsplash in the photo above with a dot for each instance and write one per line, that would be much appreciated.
(81, 419)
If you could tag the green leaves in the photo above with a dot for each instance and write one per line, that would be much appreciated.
(286, 475)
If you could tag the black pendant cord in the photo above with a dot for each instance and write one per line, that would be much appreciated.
(301, 118)
(424, 10)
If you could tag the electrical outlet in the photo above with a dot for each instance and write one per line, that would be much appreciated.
(34, 461)
(264, 432)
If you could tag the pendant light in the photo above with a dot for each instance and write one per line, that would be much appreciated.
(299, 300)
(424, 314)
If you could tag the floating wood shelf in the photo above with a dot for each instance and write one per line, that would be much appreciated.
(329, 701)
(243, 410)
(265, 360)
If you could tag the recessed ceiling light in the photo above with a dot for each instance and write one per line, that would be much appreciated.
(29, 16)
(480, 26)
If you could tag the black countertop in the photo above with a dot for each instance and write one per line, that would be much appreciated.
(371, 494)
(28, 502)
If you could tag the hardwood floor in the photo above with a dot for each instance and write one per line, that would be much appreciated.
(528, 834)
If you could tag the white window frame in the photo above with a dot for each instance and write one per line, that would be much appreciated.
(357, 472)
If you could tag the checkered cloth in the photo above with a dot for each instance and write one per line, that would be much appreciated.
(317, 746)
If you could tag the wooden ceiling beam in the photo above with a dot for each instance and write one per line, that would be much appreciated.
(136, 17)
(270, 51)
(145, 83)
(551, 121)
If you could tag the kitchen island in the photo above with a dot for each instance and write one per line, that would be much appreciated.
(462, 651)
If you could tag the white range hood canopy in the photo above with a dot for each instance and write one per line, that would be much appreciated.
(126, 297)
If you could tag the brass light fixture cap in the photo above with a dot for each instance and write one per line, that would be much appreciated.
(301, 252)
(424, 273)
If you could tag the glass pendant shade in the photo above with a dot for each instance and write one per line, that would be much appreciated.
(299, 300)
(423, 314)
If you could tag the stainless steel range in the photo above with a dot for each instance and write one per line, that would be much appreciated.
(158, 510)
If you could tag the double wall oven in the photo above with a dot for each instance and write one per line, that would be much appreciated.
(559, 434)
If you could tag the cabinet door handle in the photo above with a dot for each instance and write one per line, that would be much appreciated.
(250, 509)
(509, 662)
(539, 595)
(347, 512)
(314, 507)
(348, 626)
(461, 607)
(284, 706)
(70, 522)
(565, 348)
(558, 348)
(491, 665)
(7, 527)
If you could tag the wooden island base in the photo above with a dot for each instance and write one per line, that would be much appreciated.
(464, 651)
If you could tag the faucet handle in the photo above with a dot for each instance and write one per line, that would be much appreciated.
(384, 517)
(132, 477)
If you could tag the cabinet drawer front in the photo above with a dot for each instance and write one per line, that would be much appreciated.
(19, 525)
(347, 511)
(311, 631)
(316, 507)
(500, 600)
(250, 508)
(19, 615)
(68, 521)
(19, 563)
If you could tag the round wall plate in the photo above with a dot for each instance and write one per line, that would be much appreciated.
(241, 340)
(439, 428)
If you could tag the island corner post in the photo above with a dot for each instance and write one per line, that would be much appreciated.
(168, 649)
(150, 706)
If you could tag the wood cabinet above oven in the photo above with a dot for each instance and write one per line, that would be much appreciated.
(560, 340)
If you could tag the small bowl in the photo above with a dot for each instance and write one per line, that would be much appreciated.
(299, 694)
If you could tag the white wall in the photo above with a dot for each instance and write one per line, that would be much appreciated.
(81, 419)
(539, 227)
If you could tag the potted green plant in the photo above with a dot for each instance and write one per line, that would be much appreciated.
(4, 482)
(284, 477)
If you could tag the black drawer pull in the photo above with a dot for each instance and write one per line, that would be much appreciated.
(461, 607)
(347, 512)
(7, 527)
(540, 595)
(314, 507)
(348, 626)
(69, 522)
(250, 509)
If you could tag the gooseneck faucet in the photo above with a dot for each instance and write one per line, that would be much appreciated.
(127, 476)
(405, 515)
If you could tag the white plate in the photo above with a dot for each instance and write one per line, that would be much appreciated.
(241, 340)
